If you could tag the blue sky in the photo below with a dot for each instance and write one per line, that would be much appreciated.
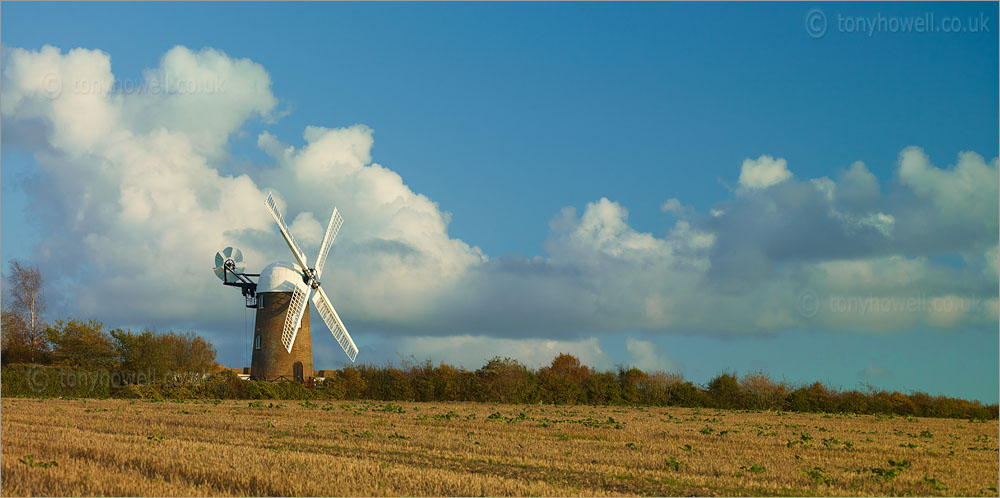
(504, 114)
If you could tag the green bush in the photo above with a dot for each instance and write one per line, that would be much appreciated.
(724, 392)
(386, 384)
(629, 379)
(40, 381)
(853, 402)
(813, 398)
(330, 388)
(292, 390)
(224, 385)
(603, 389)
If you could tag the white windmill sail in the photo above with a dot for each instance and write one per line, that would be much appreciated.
(300, 296)
(293, 317)
(300, 257)
(332, 320)
(310, 285)
(331, 233)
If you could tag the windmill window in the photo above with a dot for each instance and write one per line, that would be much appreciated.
(256, 342)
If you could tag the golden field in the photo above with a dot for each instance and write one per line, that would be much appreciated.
(284, 448)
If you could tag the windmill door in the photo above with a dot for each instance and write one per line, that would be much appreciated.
(297, 371)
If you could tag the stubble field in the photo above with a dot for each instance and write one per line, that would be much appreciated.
(122, 447)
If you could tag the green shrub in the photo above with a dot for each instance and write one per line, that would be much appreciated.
(724, 392)
(292, 390)
(224, 385)
(685, 394)
(261, 390)
(40, 381)
(812, 398)
(603, 389)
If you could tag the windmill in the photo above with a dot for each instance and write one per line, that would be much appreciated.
(282, 343)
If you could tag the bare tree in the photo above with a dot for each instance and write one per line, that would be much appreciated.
(27, 305)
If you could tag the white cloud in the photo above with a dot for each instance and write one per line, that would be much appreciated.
(763, 172)
(136, 175)
(672, 205)
(646, 357)
(134, 206)
(948, 209)
(963, 193)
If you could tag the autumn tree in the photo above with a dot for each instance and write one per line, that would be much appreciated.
(762, 392)
(563, 381)
(631, 379)
(82, 345)
(13, 348)
(24, 338)
(354, 386)
(603, 389)
(192, 354)
(506, 380)
(161, 355)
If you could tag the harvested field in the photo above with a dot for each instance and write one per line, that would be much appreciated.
(122, 447)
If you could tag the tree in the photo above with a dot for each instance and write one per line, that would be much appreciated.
(724, 392)
(447, 382)
(143, 353)
(813, 398)
(505, 380)
(603, 389)
(192, 354)
(163, 355)
(82, 345)
(654, 388)
(24, 328)
(760, 392)
(563, 380)
(630, 379)
(14, 348)
(354, 385)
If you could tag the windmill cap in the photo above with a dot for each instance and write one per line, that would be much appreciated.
(283, 276)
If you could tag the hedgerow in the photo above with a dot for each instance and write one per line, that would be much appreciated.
(499, 381)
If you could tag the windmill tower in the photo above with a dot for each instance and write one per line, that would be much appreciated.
(282, 341)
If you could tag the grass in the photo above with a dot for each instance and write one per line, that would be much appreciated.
(121, 447)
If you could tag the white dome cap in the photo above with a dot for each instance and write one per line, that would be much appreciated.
(282, 276)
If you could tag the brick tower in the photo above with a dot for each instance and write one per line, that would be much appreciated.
(271, 361)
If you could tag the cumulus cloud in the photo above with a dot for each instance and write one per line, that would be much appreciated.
(763, 172)
(134, 200)
(136, 205)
